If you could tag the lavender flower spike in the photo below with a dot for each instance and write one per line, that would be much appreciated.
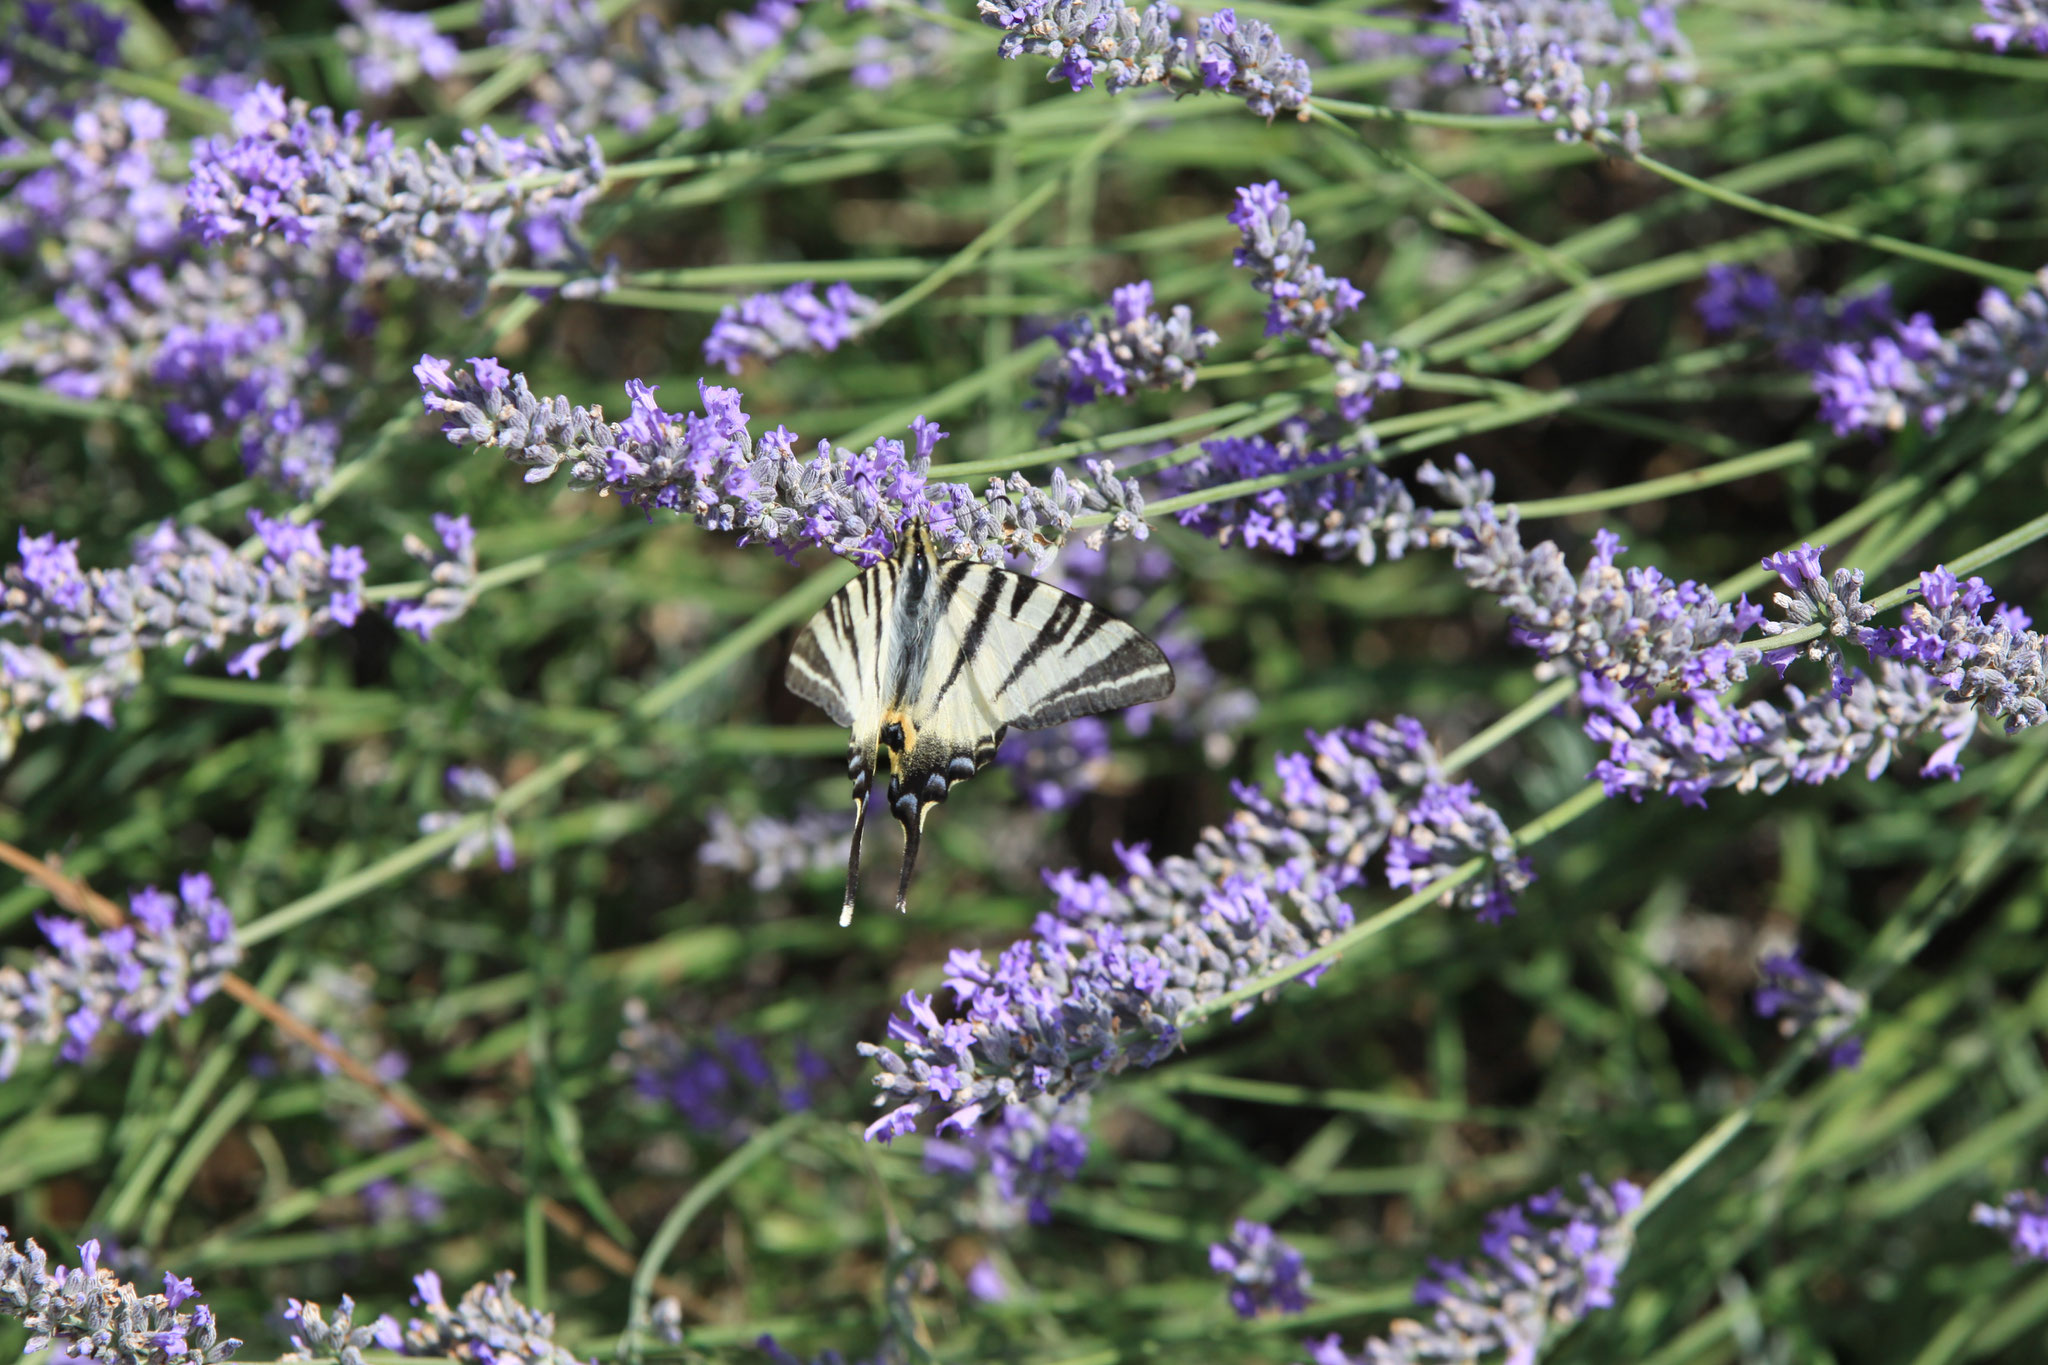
(1264, 1271)
(451, 568)
(388, 48)
(770, 326)
(770, 851)
(2023, 1217)
(1276, 245)
(1994, 665)
(488, 1324)
(1137, 350)
(1815, 599)
(2013, 21)
(473, 790)
(171, 957)
(1548, 1262)
(88, 1312)
(1355, 513)
(1243, 57)
(1800, 998)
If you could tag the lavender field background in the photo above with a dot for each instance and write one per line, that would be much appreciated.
(1584, 900)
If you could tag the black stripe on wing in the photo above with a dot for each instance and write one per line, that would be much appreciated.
(1135, 671)
(811, 676)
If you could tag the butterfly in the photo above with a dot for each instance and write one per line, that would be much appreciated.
(931, 662)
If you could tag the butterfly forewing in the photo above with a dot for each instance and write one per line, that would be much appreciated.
(929, 663)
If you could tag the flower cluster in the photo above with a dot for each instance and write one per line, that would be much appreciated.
(33, 87)
(1276, 246)
(1240, 57)
(91, 1314)
(1802, 999)
(489, 1323)
(710, 466)
(389, 48)
(1108, 973)
(590, 81)
(1548, 1262)
(724, 1088)
(1540, 56)
(2013, 21)
(328, 184)
(473, 790)
(451, 569)
(169, 959)
(1800, 328)
(1994, 665)
(908, 47)
(1137, 349)
(770, 851)
(1019, 1161)
(2023, 1217)
(1054, 768)
(1355, 513)
(101, 204)
(769, 326)
(1834, 603)
(1917, 373)
(1264, 1272)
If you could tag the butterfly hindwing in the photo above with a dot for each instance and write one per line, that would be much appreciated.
(1048, 656)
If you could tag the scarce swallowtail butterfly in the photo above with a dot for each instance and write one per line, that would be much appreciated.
(931, 662)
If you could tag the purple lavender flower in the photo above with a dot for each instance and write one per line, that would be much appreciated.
(1241, 57)
(2023, 1217)
(1548, 1262)
(770, 851)
(489, 1323)
(1138, 349)
(711, 466)
(1918, 374)
(168, 959)
(1264, 1272)
(88, 627)
(34, 88)
(1054, 768)
(451, 568)
(1540, 56)
(473, 790)
(1355, 513)
(102, 206)
(907, 49)
(1835, 604)
(772, 325)
(389, 48)
(325, 183)
(724, 1087)
(1018, 1162)
(2013, 21)
(1803, 328)
(1106, 975)
(1800, 998)
(1375, 371)
(102, 1316)
(1994, 665)
(1276, 246)
(389, 1202)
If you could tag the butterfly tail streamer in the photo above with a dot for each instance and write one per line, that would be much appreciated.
(860, 820)
(912, 829)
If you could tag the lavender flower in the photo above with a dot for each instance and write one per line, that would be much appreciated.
(451, 567)
(102, 206)
(1800, 998)
(1918, 374)
(324, 182)
(1354, 513)
(1376, 371)
(1138, 349)
(711, 466)
(488, 1324)
(34, 88)
(1802, 328)
(1994, 665)
(1054, 768)
(88, 1308)
(1276, 245)
(388, 1202)
(169, 959)
(1540, 55)
(1018, 1162)
(770, 851)
(772, 325)
(2013, 21)
(2023, 1217)
(907, 49)
(724, 1088)
(342, 1004)
(1548, 1263)
(1106, 976)
(473, 790)
(1264, 1272)
(1241, 57)
(389, 48)
(1833, 603)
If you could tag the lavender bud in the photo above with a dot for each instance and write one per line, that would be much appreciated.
(1264, 1272)
(390, 48)
(1138, 349)
(1803, 328)
(2023, 1217)
(1277, 246)
(1800, 998)
(1357, 513)
(771, 325)
(473, 790)
(2013, 21)
(1539, 54)
(103, 1317)
(1994, 665)
(724, 1087)
(451, 566)
(1836, 604)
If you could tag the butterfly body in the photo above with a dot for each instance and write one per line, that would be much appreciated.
(929, 663)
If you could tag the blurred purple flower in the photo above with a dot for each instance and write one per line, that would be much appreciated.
(1802, 329)
(1548, 1262)
(772, 325)
(1264, 1272)
(102, 205)
(1137, 349)
(488, 1324)
(724, 1087)
(93, 1310)
(1802, 999)
(389, 48)
(1107, 974)
(451, 569)
(711, 466)
(2013, 21)
(1054, 768)
(473, 790)
(2023, 1217)
(1019, 1161)
(1353, 513)
(32, 86)
(770, 851)
(1543, 56)
(168, 958)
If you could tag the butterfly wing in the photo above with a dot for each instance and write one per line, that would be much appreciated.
(837, 664)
